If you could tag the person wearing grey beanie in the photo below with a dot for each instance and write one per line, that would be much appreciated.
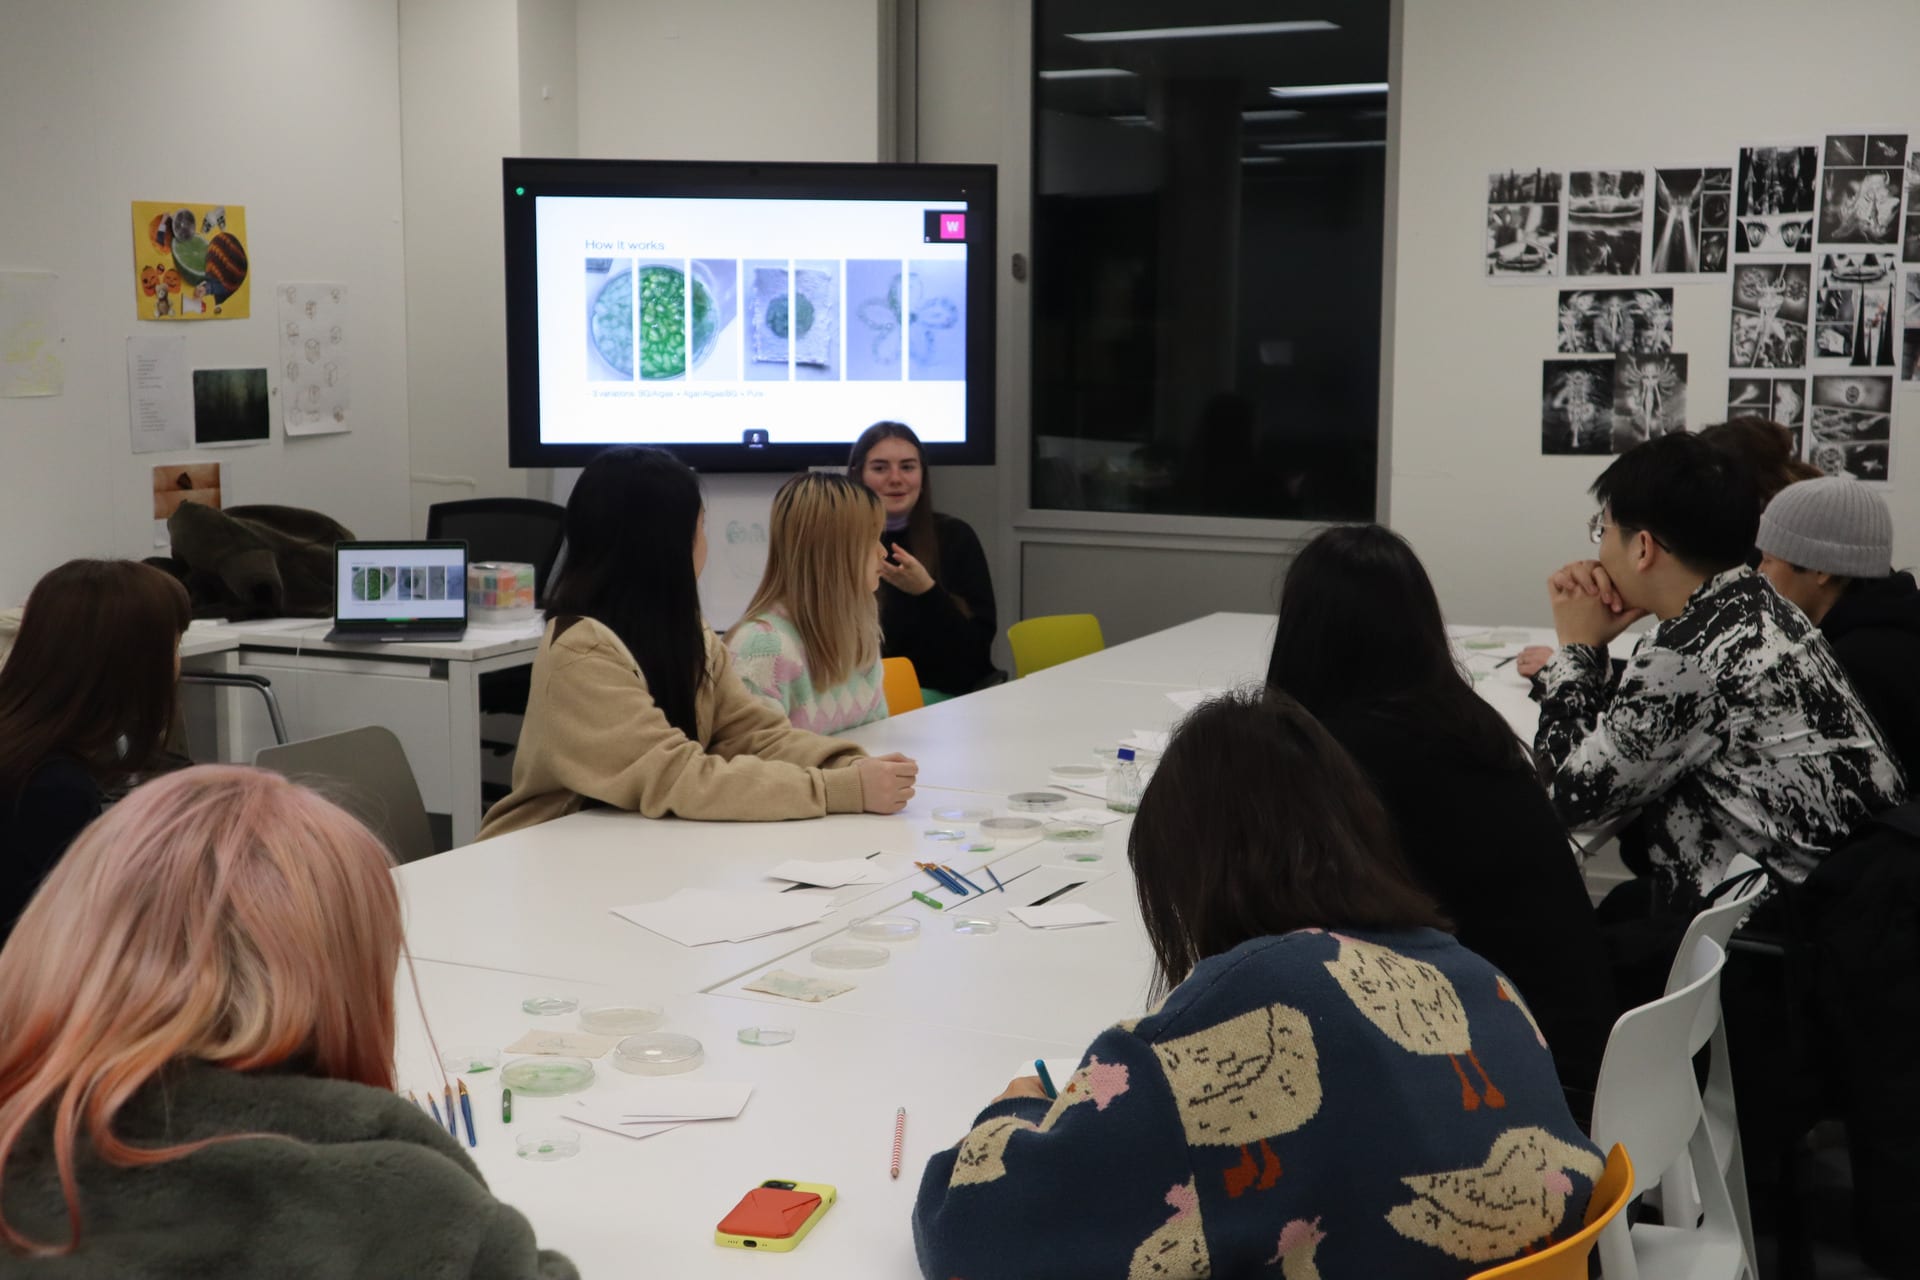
(1827, 546)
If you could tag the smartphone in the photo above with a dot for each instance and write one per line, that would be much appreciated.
(775, 1215)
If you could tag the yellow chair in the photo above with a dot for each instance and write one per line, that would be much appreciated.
(1568, 1259)
(1039, 643)
(902, 686)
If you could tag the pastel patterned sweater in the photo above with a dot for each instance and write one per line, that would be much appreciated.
(772, 662)
(1732, 730)
(1360, 1104)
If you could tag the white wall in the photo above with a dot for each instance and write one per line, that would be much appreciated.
(289, 109)
(1507, 83)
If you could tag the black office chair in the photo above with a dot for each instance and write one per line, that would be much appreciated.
(518, 531)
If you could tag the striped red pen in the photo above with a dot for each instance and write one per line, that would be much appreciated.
(899, 1137)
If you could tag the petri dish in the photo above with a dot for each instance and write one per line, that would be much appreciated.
(1078, 772)
(849, 955)
(548, 1006)
(978, 844)
(470, 1059)
(658, 1053)
(550, 1144)
(1036, 801)
(1007, 828)
(1067, 831)
(960, 815)
(765, 1037)
(884, 928)
(940, 842)
(621, 1017)
(547, 1077)
(976, 926)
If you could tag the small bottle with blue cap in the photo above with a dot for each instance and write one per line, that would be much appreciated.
(1123, 783)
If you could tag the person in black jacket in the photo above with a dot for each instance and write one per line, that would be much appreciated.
(86, 704)
(1362, 644)
(936, 594)
(1827, 545)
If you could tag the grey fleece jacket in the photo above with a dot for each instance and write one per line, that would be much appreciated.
(358, 1185)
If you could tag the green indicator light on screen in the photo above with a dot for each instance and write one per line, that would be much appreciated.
(519, 191)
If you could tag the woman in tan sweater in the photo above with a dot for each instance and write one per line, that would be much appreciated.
(635, 703)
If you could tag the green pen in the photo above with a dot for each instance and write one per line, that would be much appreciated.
(932, 902)
(506, 1106)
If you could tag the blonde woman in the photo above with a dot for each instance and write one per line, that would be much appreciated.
(809, 641)
(196, 1057)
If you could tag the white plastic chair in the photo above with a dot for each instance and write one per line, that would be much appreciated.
(1648, 1100)
(364, 771)
(1679, 1198)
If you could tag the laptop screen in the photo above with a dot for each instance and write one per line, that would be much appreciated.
(390, 582)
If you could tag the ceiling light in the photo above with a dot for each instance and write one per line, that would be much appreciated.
(1190, 33)
(1353, 144)
(1265, 116)
(1329, 90)
(1085, 73)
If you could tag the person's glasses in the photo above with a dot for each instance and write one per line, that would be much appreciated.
(1597, 528)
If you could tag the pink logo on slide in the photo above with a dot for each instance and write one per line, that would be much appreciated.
(953, 226)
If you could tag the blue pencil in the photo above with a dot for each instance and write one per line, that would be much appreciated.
(466, 1110)
(436, 1108)
(962, 878)
(1046, 1079)
(996, 879)
(942, 879)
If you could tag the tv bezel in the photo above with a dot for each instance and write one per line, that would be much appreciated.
(524, 178)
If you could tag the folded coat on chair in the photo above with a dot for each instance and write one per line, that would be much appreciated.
(254, 561)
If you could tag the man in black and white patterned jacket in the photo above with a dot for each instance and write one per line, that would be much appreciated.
(1733, 728)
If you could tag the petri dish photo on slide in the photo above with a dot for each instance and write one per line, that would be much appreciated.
(884, 928)
(658, 1053)
(545, 1077)
(848, 955)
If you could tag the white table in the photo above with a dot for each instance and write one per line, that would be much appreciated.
(938, 1029)
(428, 694)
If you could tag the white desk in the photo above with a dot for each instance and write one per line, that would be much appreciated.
(938, 1029)
(428, 694)
(822, 1111)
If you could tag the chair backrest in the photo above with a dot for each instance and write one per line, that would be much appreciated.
(902, 686)
(1039, 643)
(519, 530)
(1648, 1098)
(1568, 1259)
(1721, 919)
(365, 772)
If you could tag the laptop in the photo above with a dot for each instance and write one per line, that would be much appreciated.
(388, 592)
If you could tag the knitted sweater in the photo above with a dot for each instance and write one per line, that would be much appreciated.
(1732, 730)
(345, 1183)
(772, 662)
(594, 735)
(1346, 1104)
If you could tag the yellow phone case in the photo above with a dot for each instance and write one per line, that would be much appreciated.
(784, 1244)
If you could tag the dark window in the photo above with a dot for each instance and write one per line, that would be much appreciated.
(1207, 258)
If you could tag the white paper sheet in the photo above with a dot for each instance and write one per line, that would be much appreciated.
(32, 342)
(836, 873)
(1059, 915)
(315, 377)
(696, 917)
(658, 1098)
(1147, 739)
(159, 395)
(1188, 699)
(582, 1114)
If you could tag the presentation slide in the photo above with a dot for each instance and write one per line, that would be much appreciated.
(749, 321)
(391, 584)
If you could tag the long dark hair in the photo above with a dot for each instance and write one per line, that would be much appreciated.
(629, 567)
(1360, 630)
(1257, 822)
(1768, 448)
(922, 539)
(93, 665)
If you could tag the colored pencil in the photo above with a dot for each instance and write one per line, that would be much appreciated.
(899, 1138)
(1046, 1078)
(941, 878)
(453, 1121)
(996, 879)
(435, 1108)
(935, 903)
(466, 1112)
(961, 878)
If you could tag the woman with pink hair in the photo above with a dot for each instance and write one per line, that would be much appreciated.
(196, 1057)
